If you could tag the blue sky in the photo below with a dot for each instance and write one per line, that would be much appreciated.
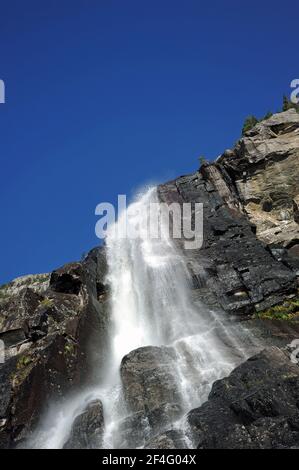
(103, 96)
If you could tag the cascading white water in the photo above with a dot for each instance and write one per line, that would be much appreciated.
(151, 305)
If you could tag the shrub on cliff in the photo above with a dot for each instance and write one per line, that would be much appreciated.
(249, 123)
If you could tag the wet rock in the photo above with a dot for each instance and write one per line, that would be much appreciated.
(148, 378)
(172, 439)
(232, 259)
(255, 407)
(249, 197)
(138, 428)
(88, 428)
(47, 329)
(151, 394)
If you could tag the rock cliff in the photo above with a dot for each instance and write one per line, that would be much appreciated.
(249, 259)
(248, 264)
(46, 322)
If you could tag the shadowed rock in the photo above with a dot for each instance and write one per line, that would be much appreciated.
(150, 392)
(88, 428)
(47, 331)
(255, 407)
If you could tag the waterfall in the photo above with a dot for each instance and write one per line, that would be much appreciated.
(151, 305)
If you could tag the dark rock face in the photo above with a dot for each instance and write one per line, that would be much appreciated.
(243, 272)
(255, 407)
(150, 392)
(232, 263)
(47, 328)
(67, 279)
(88, 428)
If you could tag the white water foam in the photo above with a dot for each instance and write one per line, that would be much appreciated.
(151, 305)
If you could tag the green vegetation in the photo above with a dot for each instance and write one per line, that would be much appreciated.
(289, 310)
(4, 286)
(69, 349)
(40, 279)
(251, 121)
(22, 370)
(202, 159)
(23, 362)
(3, 292)
(46, 302)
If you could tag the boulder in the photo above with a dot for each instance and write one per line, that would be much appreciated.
(255, 407)
(88, 428)
(148, 379)
(151, 394)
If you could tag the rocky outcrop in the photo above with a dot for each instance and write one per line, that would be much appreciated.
(235, 263)
(47, 324)
(148, 379)
(88, 428)
(172, 439)
(264, 168)
(150, 392)
(255, 407)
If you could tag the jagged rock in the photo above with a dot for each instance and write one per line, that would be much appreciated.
(172, 439)
(67, 279)
(264, 167)
(138, 428)
(241, 272)
(148, 379)
(88, 428)
(47, 329)
(249, 193)
(255, 407)
(151, 393)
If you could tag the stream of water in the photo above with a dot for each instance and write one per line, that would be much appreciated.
(151, 304)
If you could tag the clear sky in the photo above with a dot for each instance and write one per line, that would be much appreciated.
(103, 96)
